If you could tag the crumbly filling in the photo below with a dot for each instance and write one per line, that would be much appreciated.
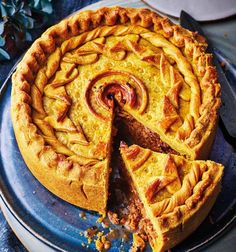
(139, 243)
(125, 208)
(133, 218)
(140, 134)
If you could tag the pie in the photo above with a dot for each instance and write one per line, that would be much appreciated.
(96, 66)
(177, 194)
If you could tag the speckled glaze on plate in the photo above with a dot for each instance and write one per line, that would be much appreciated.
(58, 224)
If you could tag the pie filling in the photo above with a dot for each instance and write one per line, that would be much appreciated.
(140, 134)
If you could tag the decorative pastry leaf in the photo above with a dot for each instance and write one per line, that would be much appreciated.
(171, 171)
(157, 185)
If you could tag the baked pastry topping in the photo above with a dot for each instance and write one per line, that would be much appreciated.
(79, 73)
(176, 193)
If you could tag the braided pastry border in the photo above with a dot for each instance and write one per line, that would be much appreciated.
(191, 44)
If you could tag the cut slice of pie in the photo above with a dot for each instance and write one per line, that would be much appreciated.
(177, 194)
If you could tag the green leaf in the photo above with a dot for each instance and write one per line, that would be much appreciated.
(4, 55)
(2, 41)
(28, 36)
(26, 10)
(11, 11)
(3, 10)
(18, 17)
(46, 7)
(21, 5)
(25, 21)
(2, 27)
(30, 23)
(36, 4)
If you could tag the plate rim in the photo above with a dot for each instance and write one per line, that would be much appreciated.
(26, 226)
(229, 14)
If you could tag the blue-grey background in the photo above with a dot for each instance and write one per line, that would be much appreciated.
(223, 34)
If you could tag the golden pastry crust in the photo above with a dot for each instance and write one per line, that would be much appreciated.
(177, 194)
(63, 127)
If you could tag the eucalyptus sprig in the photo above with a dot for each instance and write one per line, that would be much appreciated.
(18, 18)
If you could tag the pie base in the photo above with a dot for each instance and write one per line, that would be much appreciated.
(66, 189)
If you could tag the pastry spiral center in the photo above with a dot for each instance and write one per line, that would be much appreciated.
(121, 92)
(127, 91)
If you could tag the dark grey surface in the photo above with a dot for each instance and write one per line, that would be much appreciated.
(8, 241)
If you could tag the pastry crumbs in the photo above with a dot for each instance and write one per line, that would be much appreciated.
(101, 218)
(102, 244)
(82, 215)
(138, 243)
